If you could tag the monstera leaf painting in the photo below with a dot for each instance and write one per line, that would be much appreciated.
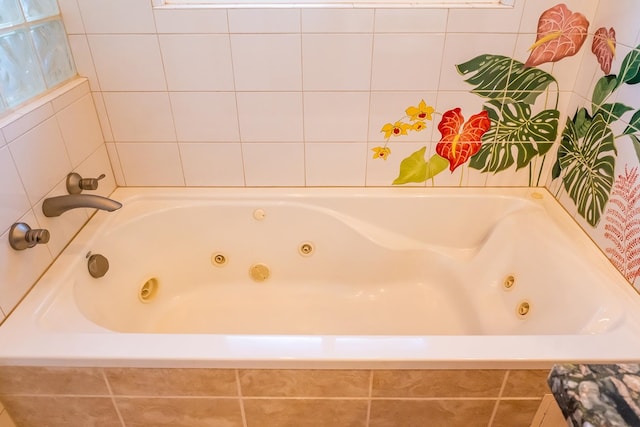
(561, 33)
(504, 79)
(589, 165)
(604, 47)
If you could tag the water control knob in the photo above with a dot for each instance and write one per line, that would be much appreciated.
(76, 183)
(21, 236)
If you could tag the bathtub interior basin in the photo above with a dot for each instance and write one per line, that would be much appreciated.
(336, 275)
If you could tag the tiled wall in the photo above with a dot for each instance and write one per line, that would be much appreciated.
(71, 397)
(619, 15)
(293, 97)
(275, 97)
(39, 145)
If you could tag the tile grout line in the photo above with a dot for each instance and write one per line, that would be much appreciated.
(112, 397)
(368, 418)
(222, 397)
(240, 398)
(495, 407)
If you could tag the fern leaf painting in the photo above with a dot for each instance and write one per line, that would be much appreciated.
(622, 228)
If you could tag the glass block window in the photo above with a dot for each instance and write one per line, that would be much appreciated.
(34, 53)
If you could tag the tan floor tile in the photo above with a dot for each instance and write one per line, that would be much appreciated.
(437, 383)
(431, 413)
(305, 412)
(5, 419)
(51, 380)
(515, 413)
(304, 383)
(526, 383)
(185, 412)
(56, 411)
(172, 382)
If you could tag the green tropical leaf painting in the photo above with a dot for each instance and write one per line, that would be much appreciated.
(518, 125)
(498, 156)
(415, 169)
(582, 119)
(504, 79)
(634, 124)
(603, 88)
(636, 145)
(612, 112)
(588, 165)
(630, 68)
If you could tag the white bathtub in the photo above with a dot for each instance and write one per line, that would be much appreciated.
(395, 277)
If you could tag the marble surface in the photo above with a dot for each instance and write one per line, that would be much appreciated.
(598, 395)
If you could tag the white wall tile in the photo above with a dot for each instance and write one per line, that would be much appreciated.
(62, 228)
(114, 160)
(411, 20)
(71, 16)
(151, 164)
(397, 67)
(212, 164)
(3, 141)
(468, 102)
(27, 120)
(20, 269)
(270, 116)
(105, 124)
(179, 21)
(80, 129)
(336, 61)
(464, 20)
(140, 116)
(267, 164)
(41, 158)
(337, 20)
(13, 198)
(71, 95)
(83, 59)
(460, 48)
(264, 20)
(205, 116)
(197, 62)
(335, 163)
(266, 62)
(128, 62)
(336, 116)
(117, 16)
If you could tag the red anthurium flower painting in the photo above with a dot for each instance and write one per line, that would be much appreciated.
(561, 33)
(604, 47)
(461, 140)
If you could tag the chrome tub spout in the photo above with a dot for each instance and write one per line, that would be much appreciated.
(55, 206)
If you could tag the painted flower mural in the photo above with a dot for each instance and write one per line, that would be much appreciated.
(514, 131)
(561, 33)
(622, 229)
(587, 153)
(461, 140)
(604, 47)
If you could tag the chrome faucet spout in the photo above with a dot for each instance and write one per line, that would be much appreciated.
(55, 206)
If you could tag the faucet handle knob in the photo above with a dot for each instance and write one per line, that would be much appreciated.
(21, 236)
(76, 183)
